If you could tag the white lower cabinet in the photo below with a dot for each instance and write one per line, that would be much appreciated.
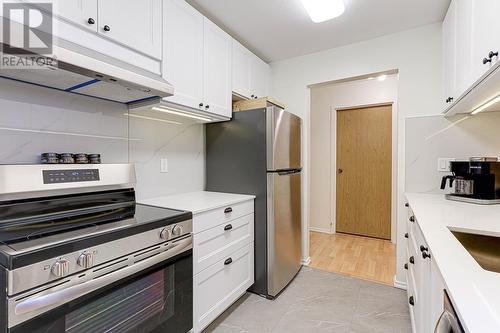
(425, 284)
(223, 260)
(220, 285)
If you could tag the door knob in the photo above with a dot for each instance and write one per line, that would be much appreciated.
(341, 171)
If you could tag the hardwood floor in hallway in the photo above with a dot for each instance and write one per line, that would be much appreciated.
(362, 257)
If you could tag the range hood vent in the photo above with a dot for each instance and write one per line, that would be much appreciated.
(80, 74)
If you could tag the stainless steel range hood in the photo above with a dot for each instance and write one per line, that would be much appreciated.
(81, 74)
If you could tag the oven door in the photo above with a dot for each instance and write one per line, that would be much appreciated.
(154, 294)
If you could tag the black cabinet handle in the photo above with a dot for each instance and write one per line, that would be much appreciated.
(107, 28)
(426, 255)
(228, 227)
(91, 20)
(411, 300)
(486, 60)
(412, 260)
(200, 105)
(406, 266)
(253, 96)
(256, 97)
(412, 218)
(407, 205)
(228, 261)
(228, 210)
(406, 235)
(207, 106)
(449, 100)
(423, 248)
(493, 54)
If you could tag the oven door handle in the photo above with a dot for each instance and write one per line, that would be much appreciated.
(63, 296)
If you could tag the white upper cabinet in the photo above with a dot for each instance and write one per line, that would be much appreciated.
(216, 70)
(471, 43)
(449, 54)
(242, 63)
(183, 52)
(250, 73)
(81, 12)
(136, 24)
(485, 35)
(259, 77)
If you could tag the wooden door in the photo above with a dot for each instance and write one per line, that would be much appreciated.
(216, 70)
(364, 169)
(183, 52)
(136, 24)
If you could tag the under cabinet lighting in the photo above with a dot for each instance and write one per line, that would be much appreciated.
(323, 10)
(180, 113)
(486, 105)
(382, 78)
(154, 119)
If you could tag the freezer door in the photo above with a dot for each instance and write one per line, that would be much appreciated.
(283, 229)
(283, 139)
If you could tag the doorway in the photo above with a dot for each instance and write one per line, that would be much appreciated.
(364, 171)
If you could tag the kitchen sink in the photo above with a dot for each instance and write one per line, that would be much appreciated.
(484, 249)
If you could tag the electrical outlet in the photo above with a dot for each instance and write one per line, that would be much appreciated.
(163, 165)
(444, 164)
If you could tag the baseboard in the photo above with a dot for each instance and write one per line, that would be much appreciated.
(306, 261)
(322, 230)
(399, 284)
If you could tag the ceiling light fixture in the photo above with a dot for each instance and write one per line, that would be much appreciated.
(180, 113)
(486, 105)
(323, 10)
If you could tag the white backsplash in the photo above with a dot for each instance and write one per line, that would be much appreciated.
(433, 137)
(35, 120)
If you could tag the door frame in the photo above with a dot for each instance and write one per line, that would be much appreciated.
(394, 163)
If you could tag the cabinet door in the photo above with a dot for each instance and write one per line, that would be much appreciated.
(216, 69)
(436, 299)
(241, 58)
(183, 52)
(136, 24)
(259, 77)
(449, 53)
(485, 35)
(464, 77)
(81, 12)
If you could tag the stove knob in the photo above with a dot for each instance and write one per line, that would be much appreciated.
(86, 259)
(176, 230)
(165, 234)
(60, 268)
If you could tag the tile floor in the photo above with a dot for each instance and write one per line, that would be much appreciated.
(362, 257)
(319, 301)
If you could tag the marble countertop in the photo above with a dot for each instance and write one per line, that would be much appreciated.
(197, 202)
(475, 292)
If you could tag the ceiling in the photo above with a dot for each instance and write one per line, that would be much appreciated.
(281, 29)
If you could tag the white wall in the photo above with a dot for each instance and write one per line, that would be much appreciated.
(325, 100)
(429, 138)
(415, 53)
(35, 120)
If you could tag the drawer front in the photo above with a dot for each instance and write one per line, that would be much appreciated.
(220, 285)
(213, 245)
(215, 217)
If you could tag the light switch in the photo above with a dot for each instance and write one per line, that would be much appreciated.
(444, 164)
(163, 165)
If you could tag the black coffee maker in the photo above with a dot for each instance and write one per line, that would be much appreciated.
(475, 181)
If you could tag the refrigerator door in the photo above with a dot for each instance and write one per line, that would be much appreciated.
(283, 229)
(283, 139)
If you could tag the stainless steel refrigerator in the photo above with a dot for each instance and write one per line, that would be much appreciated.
(259, 152)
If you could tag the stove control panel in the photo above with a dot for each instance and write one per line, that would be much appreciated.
(70, 176)
(60, 268)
